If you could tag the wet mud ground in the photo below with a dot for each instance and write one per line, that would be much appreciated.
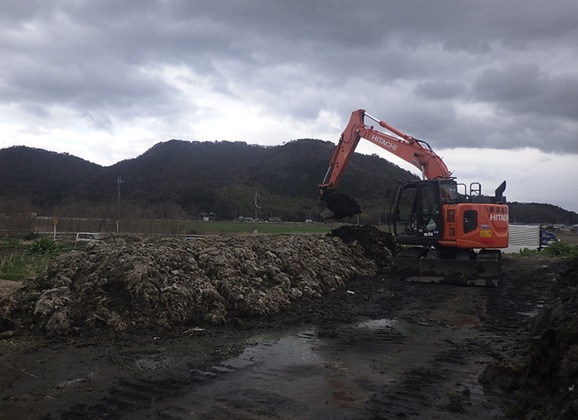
(379, 349)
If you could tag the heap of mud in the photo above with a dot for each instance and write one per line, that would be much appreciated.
(373, 241)
(124, 286)
(547, 380)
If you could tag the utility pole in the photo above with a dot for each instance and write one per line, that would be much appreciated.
(118, 182)
(257, 206)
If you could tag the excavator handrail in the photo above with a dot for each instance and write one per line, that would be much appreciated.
(416, 152)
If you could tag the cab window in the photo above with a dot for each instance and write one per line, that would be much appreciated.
(470, 221)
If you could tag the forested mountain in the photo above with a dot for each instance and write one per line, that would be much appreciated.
(41, 178)
(541, 213)
(181, 179)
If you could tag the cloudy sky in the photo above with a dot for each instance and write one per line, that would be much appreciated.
(491, 85)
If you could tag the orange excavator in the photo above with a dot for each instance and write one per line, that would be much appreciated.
(450, 233)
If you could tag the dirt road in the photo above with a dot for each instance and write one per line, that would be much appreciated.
(380, 349)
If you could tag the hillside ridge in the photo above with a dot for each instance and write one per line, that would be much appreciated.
(227, 179)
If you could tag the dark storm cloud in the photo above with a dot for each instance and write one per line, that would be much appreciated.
(527, 90)
(425, 65)
(439, 90)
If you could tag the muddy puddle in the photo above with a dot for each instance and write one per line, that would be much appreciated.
(376, 368)
(357, 370)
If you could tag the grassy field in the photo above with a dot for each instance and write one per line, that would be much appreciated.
(240, 228)
(16, 263)
(567, 237)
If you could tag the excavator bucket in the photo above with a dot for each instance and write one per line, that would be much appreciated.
(336, 205)
(466, 269)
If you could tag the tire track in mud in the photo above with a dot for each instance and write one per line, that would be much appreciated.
(131, 397)
(445, 386)
(453, 330)
(526, 287)
(500, 328)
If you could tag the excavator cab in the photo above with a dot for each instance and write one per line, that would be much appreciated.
(417, 216)
(417, 212)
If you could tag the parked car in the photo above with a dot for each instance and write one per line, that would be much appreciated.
(86, 236)
(547, 238)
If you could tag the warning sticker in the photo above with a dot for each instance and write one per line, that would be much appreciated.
(485, 233)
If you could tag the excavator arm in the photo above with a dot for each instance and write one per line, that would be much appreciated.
(335, 205)
(414, 151)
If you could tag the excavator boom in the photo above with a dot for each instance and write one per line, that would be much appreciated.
(414, 151)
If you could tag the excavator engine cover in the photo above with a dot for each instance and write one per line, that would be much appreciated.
(463, 267)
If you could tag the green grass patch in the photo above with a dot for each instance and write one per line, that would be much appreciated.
(556, 249)
(561, 249)
(19, 266)
(20, 259)
(45, 246)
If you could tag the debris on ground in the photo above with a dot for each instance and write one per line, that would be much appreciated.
(126, 285)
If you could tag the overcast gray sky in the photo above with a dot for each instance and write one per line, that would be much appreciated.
(491, 85)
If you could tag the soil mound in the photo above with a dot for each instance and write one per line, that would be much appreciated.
(377, 245)
(212, 280)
